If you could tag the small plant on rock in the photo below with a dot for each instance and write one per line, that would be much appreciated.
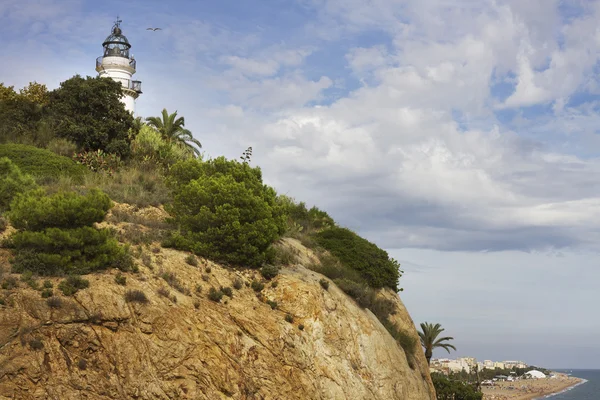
(73, 284)
(269, 271)
(238, 284)
(227, 291)
(324, 283)
(273, 304)
(215, 295)
(54, 302)
(136, 296)
(120, 279)
(289, 318)
(257, 286)
(191, 260)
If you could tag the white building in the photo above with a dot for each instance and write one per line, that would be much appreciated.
(116, 63)
(535, 374)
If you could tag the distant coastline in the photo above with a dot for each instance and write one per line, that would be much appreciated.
(532, 389)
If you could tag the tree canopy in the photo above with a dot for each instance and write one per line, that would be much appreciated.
(172, 130)
(88, 112)
(224, 211)
(429, 339)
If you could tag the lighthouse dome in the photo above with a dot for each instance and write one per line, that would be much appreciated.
(116, 44)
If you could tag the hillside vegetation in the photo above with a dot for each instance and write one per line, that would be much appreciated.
(66, 155)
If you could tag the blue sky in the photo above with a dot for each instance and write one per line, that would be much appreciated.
(462, 136)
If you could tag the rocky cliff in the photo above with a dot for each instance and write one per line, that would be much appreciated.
(181, 345)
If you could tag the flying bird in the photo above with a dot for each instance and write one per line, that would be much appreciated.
(153, 29)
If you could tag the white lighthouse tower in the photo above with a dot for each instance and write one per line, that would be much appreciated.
(116, 63)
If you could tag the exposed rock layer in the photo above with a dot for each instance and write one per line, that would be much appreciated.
(98, 346)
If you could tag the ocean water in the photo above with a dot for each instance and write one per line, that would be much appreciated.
(589, 390)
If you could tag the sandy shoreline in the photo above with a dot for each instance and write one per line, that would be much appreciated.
(529, 389)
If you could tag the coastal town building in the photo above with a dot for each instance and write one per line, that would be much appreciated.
(469, 364)
(118, 64)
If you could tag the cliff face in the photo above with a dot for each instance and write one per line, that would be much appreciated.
(96, 345)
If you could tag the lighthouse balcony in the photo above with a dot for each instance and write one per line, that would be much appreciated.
(136, 86)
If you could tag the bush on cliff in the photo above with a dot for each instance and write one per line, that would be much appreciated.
(12, 182)
(224, 212)
(56, 235)
(372, 263)
(447, 389)
(42, 164)
(36, 211)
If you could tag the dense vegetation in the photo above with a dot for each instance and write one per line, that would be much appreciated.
(42, 164)
(372, 263)
(12, 182)
(56, 235)
(224, 212)
(448, 389)
(70, 150)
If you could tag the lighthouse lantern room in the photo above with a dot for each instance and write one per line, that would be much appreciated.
(118, 64)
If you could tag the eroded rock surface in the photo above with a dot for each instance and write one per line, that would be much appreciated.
(96, 345)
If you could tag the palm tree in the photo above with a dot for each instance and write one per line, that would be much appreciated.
(172, 130)
(429, 339)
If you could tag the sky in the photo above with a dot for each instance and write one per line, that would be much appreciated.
(460, 136)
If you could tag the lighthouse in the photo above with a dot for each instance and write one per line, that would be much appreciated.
(116, 63)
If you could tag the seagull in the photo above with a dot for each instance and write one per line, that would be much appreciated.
(153, 29)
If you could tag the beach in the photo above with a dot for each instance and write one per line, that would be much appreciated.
(529, 389)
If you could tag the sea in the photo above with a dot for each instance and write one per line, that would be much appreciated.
(588, 390)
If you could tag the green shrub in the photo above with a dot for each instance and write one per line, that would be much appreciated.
(3, 224)
(164, 292)
(54, 302)
(274, 284)
(148, 147)
(9, 283)
(88, 111)
(99, 161)
(373, 263)
(224, 212)
(174, 282)
(208, 270)
(56, 235)
(72, 285)
(198, 289)
(42, 164)
(36, 211)
(269, 271)
(289, 318)
(363, 294)
(238, 284)
(447, 389)
(136, 296)
(227, 291)
(324, 283)
(48, 285)
(284, 255)
(47, 293)
(120, 279)
(257, 286)
(67, 251)
(191, 260)
(301, 219)
(301, 327)
(12, 182)
(273, 304)
(215, 295)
